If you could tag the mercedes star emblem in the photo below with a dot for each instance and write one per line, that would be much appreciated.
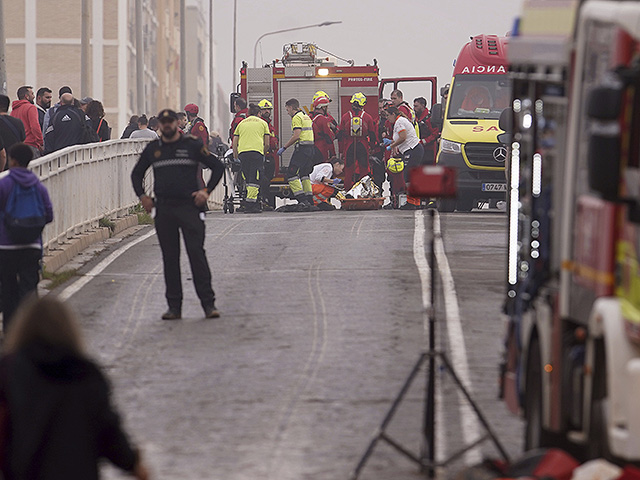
(500, 154)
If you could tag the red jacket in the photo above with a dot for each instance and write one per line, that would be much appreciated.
(323, 136)
(241, 115)
(368, 131)
(273, 143)
(428, 134)
(199, 130)
(28, 113)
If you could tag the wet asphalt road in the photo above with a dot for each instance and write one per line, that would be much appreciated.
(322, 320)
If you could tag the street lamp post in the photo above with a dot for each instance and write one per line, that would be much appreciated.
(255, 47)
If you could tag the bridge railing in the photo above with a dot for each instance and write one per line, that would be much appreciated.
(90, 182)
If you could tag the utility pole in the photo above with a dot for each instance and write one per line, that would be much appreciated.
(84, 52)
(139, 60)
(3, 63)
(183, 55)
(211, 69)
(234, 68)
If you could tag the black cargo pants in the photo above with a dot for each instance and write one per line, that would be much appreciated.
(171, 218)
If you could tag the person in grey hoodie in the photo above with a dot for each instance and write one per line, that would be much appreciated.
(19, 262)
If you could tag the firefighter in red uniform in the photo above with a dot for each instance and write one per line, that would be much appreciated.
(268, 201)
(322, 134)
(428, 134)
(241, 111)
(332, 121)
(356, 132)
(196, 126)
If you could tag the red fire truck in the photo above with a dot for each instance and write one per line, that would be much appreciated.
(301, 72)
(572, 359)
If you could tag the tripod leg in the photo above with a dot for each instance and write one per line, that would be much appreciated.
(475, 407)
(388, 417)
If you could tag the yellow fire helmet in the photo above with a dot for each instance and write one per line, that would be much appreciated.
(359, 99)
(395, 165)
(319, 94)
(265, 104)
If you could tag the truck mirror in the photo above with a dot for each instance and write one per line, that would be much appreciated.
(506, 120)
(436, 116)
(604, 103)
(232, 100)
(504, 123)
(604, 165)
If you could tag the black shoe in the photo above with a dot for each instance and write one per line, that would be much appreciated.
(266, 207)
(172, 314)
(211, 312)
(409, 206)
(252, 208)
(388, 206)
(325, 206)
(303, 207)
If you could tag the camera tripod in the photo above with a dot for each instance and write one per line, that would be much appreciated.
(427, 458)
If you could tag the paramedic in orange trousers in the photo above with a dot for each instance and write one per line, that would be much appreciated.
(355, 132)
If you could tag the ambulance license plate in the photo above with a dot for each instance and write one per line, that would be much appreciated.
(494, 187)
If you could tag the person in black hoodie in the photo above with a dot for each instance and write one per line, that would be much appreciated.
(131, 127)
(60, 418)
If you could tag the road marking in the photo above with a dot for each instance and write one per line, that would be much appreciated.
(470, 425)
(99, 268)
(310, 369)
(420, 257)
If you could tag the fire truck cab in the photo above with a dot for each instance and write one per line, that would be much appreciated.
(572, 356)
(300, 73)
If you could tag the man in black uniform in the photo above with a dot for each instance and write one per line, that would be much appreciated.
(180, 201)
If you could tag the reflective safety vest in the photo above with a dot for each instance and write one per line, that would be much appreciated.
(302, 121)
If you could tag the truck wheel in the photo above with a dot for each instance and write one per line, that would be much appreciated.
(598, 444)
(446, 205)
(465, 204)
(535, 436)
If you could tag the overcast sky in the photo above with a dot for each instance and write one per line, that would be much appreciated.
(407, 37)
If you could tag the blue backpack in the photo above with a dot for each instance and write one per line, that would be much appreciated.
(24, 215)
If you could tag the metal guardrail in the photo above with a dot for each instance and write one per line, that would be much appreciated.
(89, 182)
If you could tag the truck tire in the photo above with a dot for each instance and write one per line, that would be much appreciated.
(446, 205)
(535, 436)
(466, 204)
(598, 443)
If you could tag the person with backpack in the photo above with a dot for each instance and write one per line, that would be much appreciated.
(69, 126)
(356, 134)
(25, 208)
(95, 112)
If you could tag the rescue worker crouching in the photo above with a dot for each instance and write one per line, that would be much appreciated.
(324, 182)
(355, 132)
(268, 200)
(301, 164)
(250, 141)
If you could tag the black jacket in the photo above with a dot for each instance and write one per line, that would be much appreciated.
(102, 128)
(11, 131)
(176, 168)
(60, 416)
(65, 128)
(128, 130)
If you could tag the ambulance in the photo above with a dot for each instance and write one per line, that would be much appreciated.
(478, 94)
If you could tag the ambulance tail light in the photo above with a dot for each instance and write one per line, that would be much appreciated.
(432, 181)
